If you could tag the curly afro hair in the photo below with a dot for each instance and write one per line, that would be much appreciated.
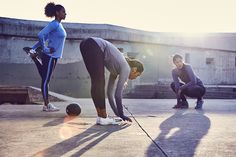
(51, 8)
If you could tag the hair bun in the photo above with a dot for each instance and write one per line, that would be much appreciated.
(50, 9)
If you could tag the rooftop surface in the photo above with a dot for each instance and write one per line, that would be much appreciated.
(211, 132)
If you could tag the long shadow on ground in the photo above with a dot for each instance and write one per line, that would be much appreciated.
(181, 133)
(92, 136)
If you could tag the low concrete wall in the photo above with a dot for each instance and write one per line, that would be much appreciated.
(153, 49)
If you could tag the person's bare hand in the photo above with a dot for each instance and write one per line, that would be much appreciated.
(52, 50)
(125, 118)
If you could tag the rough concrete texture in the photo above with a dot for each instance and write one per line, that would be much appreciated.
(27, 131)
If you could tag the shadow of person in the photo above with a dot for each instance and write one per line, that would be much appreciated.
(92, 136)
(181, 133)
(59, 121)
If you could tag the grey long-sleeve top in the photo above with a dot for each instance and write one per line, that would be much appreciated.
(119, 70)
(187, 76)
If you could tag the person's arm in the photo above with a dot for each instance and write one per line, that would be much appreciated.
(110, 93)
(192, 77)
(176, 82)
(36, 45)
(43, 35)
(175, 79)
(123, 77)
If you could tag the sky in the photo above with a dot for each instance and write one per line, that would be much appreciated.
(190, 16)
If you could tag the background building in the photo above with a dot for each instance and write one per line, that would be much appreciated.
(212, 56)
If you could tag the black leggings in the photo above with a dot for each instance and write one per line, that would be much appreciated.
(94, 62)
(194, 91)
(45, 70)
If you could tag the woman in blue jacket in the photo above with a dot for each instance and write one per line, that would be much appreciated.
(51, 41)
(190, 84)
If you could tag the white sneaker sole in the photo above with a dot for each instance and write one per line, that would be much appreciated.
(113, 123)
(55, 110)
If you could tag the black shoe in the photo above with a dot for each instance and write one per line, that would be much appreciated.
(184, 104)
(39, 51)
(30, 52)
(199, 104)
(181, 105)
(33, 53)
(177, 106)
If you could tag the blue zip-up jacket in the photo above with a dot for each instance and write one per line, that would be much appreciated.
(52, 36)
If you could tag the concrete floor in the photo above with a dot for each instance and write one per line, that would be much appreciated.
(27, 131)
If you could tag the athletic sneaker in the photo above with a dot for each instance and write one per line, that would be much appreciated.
(181, 105)
(199, 104)
(50, 108)
(177, 106)
(98, 120)
(30, 52)
(106, 121)
(184, 104)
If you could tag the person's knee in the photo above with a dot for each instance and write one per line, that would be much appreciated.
(172, 86)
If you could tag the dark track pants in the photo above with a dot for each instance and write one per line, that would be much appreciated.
(45, 70)
(194, 91)
(94, 62)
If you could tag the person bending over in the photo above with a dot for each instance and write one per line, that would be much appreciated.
(98, 54)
